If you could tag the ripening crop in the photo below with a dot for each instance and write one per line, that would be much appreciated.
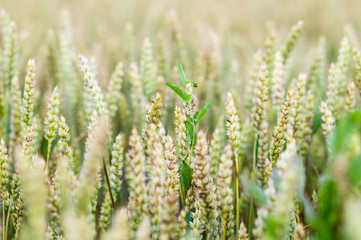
(145, 131)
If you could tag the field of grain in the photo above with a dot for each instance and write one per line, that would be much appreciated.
(169, 120)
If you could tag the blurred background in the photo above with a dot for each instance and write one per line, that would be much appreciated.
(227, 32)
(240, 26)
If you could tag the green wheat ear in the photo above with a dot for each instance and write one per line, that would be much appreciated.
(51, 123)
(29, 94)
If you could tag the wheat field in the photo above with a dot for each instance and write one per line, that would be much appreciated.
(171, 120)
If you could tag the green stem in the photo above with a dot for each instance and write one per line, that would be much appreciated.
(194, 137)
(255, 143)
(237, 193)
(108, 183)
(7, 220)
(8, 124)
(109, 138)
(182, 194)
(192, 146)
(48, 154)
(250, 219)
(182, 191)
(3, 226)
(251, 208)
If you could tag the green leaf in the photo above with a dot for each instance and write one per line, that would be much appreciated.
(199, 114)
(309, 212)
(182, 74)
(275, 226)
(327, 221)
(316, 123)
(254, 190)
(190, 131)
(354, 171)
(185, 96)
(346, 126)
(185, 172)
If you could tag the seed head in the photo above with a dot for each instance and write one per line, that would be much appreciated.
(233, 126)
(29, 94)
(260, 97)
(51, 123)
(328, 121)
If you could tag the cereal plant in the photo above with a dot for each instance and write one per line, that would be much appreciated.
(150, 129)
